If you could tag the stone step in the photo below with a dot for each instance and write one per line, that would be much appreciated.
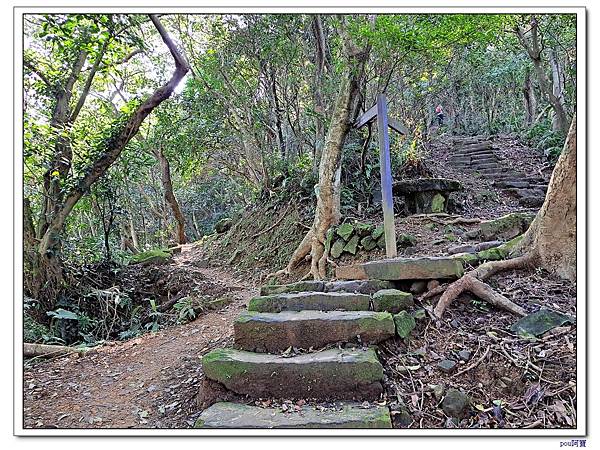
(320, 301)
(492, 165)
(511, 184)
(471, 154)
(330, 374)
(274, 332)
(403, 269)
(474, 147)
(360, 287)
(486, 158)
(350, 415)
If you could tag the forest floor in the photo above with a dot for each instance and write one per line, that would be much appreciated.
(153, 381)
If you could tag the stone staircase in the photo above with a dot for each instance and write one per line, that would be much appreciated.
(476, 155)
(336, 325)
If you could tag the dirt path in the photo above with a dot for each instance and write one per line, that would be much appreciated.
(147, 382)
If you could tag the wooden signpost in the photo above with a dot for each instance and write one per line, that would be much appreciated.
(380, 112)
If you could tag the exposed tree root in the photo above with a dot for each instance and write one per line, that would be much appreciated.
(472, 282)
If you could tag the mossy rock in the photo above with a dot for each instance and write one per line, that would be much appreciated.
(363, 229)
(337, 248)
(352, 245)
(392, 300)
(405, 323)
(345, 230)
(368, 243)
(381, 242)
(156, 256)
(377, 232)
(438, 203)
(406, 240)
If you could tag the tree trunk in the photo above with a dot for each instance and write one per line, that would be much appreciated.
(529, 99)
(165, 177)
(534, 51)
(551, 236)
(320, 56)
(558, 81)
(327, 209)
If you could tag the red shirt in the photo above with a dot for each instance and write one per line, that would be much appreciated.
(438, 110)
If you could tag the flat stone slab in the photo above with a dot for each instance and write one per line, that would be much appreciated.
(300, 286)
(403, 269)
(539, 322)
(273, 332)
(331, 374)
(300, 301)
(351, 415)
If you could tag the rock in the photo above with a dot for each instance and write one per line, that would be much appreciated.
(464, 355)
(505, 227)
(211, 392)
(413, 268)
(223, 225)
(406, 240)
(405, 323)
(539, 322)
(392, 300)
(274, 332)
(463, 248)
(368, 243)
(363, 229)
(433, 284)
(381, 242)
(403, 416)
(300, 286)
(447, 365)
(466, 258)
(351, 415)
(418, 287)
(377, 232)
(321, 301)
(352, 245)
(438, 203)
(330, 374)
(358, 286)
(337, 248)
(345, 230)
(455, 403)
(156, 256)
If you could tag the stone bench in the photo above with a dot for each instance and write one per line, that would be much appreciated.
(426, 195)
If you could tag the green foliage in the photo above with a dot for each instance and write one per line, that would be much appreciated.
(185, 310)
(548, 141)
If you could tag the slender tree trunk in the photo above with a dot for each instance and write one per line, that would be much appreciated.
(320, 56)
(327, 211)
(529, 100)
(165, 176)
(534, 50)
(558, 81)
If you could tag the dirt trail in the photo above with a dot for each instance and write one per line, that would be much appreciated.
(147, 382)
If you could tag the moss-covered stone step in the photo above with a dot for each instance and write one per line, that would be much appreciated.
(351, 415)
(300, 301)
(403, 269)
(331, 374)
(273, 332)
(358, 286)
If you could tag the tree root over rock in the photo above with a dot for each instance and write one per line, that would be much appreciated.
(473, 282)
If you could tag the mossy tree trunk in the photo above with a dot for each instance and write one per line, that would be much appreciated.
(327, 212)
